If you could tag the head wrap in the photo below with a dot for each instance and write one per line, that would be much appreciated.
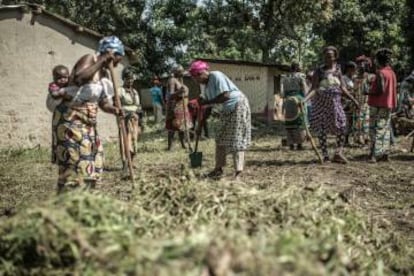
(364, 58)
(198, 66)
(127, 73)
(333, 49)
(178, 70)
(113, 43)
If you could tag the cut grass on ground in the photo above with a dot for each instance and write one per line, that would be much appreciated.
(288, 215)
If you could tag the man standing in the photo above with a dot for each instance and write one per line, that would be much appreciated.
(157, 100)
(382, 99)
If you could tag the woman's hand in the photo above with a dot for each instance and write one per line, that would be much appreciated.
(118, 111)
(202, 101)
(107, 58)
(356, 103)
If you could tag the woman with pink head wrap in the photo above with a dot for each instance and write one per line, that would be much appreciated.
(197, 67)
(234, 132)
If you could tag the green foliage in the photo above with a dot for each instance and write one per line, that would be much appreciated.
(165, 32)
(361, 27)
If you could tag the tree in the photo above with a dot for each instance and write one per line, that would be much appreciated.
(360, 27)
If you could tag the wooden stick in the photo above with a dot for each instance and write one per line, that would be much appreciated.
(121, 122)
(121, 143)
(187, 136)
(199, 128)
(315, 149)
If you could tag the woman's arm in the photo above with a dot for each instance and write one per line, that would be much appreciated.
(223, 97)
(86, 67)
(314, 87)
(107, 107)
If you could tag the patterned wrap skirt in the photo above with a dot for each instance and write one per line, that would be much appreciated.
(177, 115)
(76, 147)
(328, 116)
(234, 129)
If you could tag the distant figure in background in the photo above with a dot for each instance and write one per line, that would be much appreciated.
(293, 89)
(177, 117)
(157, 100)
(382, 99)
(131, 105)
(350, 69)
(233, 135)
(362, 84)
(328, 116)
(406, 97)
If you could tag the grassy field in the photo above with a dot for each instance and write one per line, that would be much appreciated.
(288, 215)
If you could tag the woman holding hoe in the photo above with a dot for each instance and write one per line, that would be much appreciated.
(79, 150)
(234, 133)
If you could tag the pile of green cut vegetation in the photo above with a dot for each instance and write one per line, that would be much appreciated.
(180, 226)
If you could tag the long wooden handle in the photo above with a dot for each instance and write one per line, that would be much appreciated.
(315, 149)
(199, 126)
(122, 122)
(187, 136)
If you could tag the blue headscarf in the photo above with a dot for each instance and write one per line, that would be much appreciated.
(113, 43)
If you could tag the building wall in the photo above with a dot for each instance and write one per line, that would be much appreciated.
(251, 80)
(29, 52)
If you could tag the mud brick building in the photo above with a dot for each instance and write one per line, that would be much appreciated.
(32, 42)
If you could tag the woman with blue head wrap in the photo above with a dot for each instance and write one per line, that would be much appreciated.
(112, 43)
(78, 148)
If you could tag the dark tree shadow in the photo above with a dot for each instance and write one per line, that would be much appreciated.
(404, 157)
(280, 163)
(112, 169)
(265, 149)
(359, 157)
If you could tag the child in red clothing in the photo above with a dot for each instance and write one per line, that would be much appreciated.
(60, 80)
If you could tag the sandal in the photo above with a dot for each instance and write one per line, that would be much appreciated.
(238, 175)
(215, 174)
(340, 158)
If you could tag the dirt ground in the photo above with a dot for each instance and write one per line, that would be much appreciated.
(383, 191)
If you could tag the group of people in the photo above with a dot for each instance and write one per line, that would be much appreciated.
(355, 102)
(75, 96)
(331, 102)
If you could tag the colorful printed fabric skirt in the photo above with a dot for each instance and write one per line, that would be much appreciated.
(234, 130)
(361, 120)
(380, 130)
(132, 128)
(177, 115)
(77, 149)
(328, 116)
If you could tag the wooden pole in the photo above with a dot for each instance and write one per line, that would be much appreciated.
(187, 136)
(121, 122)
(315, 149)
